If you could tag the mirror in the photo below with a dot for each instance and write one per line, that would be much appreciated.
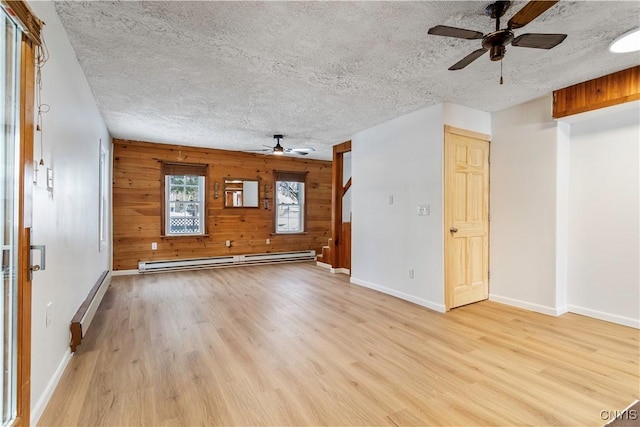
(240, 193)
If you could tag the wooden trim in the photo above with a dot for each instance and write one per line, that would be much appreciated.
(290, 176)
(337, 191)
(468, 133)
(25, 209)
(345, 147)
(31, 25)
(173, 168)
(76, 321)
(606, 91)
(347, 186)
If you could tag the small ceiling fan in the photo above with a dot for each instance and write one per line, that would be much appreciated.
(495, 42)
(280, 150)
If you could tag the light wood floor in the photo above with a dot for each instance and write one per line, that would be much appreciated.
(294, 345)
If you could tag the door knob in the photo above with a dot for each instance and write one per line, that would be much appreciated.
(453, 230)
(43, 256)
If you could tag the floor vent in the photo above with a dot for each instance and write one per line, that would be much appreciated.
(222, 261)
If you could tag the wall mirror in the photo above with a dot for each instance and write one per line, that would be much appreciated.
(240, 193)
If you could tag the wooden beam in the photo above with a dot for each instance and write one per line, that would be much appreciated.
(612, 89)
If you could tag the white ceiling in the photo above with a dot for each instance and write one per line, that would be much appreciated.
(231, 74)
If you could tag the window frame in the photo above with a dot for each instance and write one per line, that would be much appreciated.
(183, 169)
(290, 176)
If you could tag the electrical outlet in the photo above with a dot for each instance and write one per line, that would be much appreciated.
(154, 246)
(268, 241)
(228, 243)
(49, 314)
(411, 273)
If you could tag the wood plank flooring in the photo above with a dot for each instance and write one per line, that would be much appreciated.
(292, 345)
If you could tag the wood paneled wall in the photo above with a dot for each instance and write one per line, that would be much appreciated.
(612, 89)
(137, 197)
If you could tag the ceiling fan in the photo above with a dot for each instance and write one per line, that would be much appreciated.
(495, 42)
(280, 150)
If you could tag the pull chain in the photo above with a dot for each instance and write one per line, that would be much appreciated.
(501, 81)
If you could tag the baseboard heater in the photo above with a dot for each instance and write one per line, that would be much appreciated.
(222, 261)
(83, 317)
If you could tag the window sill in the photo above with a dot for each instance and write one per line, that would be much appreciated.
(182, 236)
(301, 233)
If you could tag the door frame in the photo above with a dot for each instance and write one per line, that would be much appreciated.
(337, 256)
(448, 297)
(25, 211)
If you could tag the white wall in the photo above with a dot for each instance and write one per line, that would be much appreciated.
(565, 211)
(66, 219)
(466, 118)
(524, 209)
(604, 213)
(403, 159)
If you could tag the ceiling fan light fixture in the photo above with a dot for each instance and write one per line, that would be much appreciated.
(278, 150)
(627, 42)
(497, 53)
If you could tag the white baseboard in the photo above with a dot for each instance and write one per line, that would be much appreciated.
(422, 302)
(608, 317)
(333, 270)
(124, 272)
(41, 404)
(538, 308)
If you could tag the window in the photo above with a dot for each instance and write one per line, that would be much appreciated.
(184, 200)
(102, 199)
(290, 204)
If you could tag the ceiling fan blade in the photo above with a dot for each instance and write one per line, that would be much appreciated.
(529, 12)
(461, 33)
(539, 41)
(301, 150)
(468, 59)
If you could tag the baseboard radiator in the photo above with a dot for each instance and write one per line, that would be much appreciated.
(83, 317)
(224, 261)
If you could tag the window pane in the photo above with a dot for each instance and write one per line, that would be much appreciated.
(289, 207)
(185, 194)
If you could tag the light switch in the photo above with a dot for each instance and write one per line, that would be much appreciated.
(424, 210)
(391, 199)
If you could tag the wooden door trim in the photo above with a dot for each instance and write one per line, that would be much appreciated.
(337, 191)
(25, 208)
(468, 133)
(447, 219)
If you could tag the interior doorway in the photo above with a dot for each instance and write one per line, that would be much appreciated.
(341, 208)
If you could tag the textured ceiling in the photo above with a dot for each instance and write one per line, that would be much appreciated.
(231, 74)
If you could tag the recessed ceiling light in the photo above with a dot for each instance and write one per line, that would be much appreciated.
(628, 42)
